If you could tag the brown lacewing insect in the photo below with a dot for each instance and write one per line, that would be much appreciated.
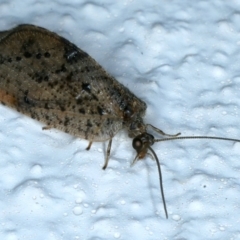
(49, 79)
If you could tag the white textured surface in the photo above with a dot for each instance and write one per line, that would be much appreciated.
(182, 58)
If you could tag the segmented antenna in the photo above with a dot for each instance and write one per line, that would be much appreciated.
(197, 137)
(160, 180)
(180, 138)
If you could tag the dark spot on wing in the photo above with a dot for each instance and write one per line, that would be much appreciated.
(27, 55)
(62, 108)
(18, 59)
(79, 101)
(47, 54)
(62, 69)
(38, 55)
(86, 87)
(25, 98)
(66, 121)
(46, 106)
(81, 110)
(89, 124)
(100, 111)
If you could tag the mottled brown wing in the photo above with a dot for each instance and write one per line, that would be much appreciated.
(48, 78)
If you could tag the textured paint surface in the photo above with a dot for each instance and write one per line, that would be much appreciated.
(182, 59)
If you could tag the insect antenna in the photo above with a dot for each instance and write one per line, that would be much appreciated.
(196, 137)
(143, 142)
(160, 180)
(181, 138)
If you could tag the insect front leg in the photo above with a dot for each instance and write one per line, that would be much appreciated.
(108, 154)
(161, 132)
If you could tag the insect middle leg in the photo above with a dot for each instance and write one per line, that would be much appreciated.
(89, 146)
(108, 154)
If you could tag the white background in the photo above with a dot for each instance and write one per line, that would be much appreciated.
(182, 58)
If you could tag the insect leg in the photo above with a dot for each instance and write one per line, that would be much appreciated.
(108, 154)
(161, 132)
(89, 145)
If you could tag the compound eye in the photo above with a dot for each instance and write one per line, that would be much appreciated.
(137, 143)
